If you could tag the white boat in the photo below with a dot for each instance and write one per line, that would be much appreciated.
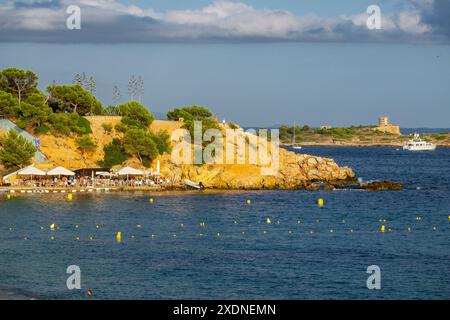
(193, 184)
(295, 146)
(417, 144)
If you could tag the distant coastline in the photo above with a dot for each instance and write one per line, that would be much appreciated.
(359, 136)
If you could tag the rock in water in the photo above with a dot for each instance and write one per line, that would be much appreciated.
(296, 171)
(382, 185)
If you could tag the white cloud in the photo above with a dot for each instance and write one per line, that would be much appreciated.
(221, 21)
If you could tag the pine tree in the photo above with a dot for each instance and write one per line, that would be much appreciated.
(77, 79)
(91, 86)
(132, 87)
(116, 95)
(140, 88)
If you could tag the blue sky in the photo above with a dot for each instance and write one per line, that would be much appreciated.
(256, 63)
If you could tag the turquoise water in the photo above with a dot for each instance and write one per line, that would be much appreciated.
(249, 258)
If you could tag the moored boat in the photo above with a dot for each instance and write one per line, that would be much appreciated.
(418, 144)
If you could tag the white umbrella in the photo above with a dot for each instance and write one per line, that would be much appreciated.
(60, 171)
(128, 171)
(103, 174)
(31, 171)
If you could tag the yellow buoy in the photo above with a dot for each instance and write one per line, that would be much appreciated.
(69, 197)
(119, 236)
(320, 202)
(448, 217)
(138, 226)
(52, 238)
(8, 196)
(151, 200)
(133, 236)
(91, 238)
(268, 221)
(77, 238)
(249, 201)
(383, 228)
(202, 224)
(52, 226)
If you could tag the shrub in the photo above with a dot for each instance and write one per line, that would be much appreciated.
(107, 127)
(121, 127)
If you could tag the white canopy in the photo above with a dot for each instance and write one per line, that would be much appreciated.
(60, 171)
(103, 174)
(31, 171)
(128, 171)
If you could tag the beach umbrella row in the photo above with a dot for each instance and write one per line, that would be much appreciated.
(33, 171)
(61, 171)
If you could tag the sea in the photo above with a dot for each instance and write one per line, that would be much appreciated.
(240, 244)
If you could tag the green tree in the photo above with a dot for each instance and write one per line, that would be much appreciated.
(34, 111)
(207, 123)
(18, 82)
(114, 154)
(189, 113)
(8, 105)
(176, 114)
(85, 145)
(73, 98)
(16, 151)
(135, 115)
(67, 123)
(139, 143)
(162, 141)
